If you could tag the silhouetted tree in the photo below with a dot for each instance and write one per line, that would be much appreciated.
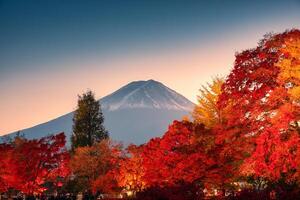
(88, 122)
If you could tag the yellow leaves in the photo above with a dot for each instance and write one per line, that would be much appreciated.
(290, 63)
(292, 46)
(289, 66)
(295, 93)
(206, 111)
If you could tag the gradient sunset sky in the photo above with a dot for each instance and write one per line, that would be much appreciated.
(52, 50)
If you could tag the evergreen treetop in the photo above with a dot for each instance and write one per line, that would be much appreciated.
(88, 121)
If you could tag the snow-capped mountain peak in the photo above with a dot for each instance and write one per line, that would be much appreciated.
(135, 113)
(146, 94)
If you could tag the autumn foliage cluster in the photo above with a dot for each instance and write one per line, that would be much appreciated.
(244, 133)
(244, 136)
(29, 165)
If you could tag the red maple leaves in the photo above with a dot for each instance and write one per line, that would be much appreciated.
(27, 164)
(256, 132)
(263, 124)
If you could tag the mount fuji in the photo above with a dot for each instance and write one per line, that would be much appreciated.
(133, 114)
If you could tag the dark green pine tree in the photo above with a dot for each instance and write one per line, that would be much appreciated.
(88, 122)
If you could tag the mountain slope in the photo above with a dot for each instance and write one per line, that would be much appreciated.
(133, 114)
(146, 94)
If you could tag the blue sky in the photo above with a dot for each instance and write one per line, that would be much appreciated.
(51, 50)
(37, 32)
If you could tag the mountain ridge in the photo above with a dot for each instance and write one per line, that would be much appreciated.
(138, 89)
(133, 114)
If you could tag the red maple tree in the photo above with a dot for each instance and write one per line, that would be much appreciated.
(262, 91)
(28, 164)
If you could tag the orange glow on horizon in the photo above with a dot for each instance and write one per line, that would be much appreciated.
(36, 98)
